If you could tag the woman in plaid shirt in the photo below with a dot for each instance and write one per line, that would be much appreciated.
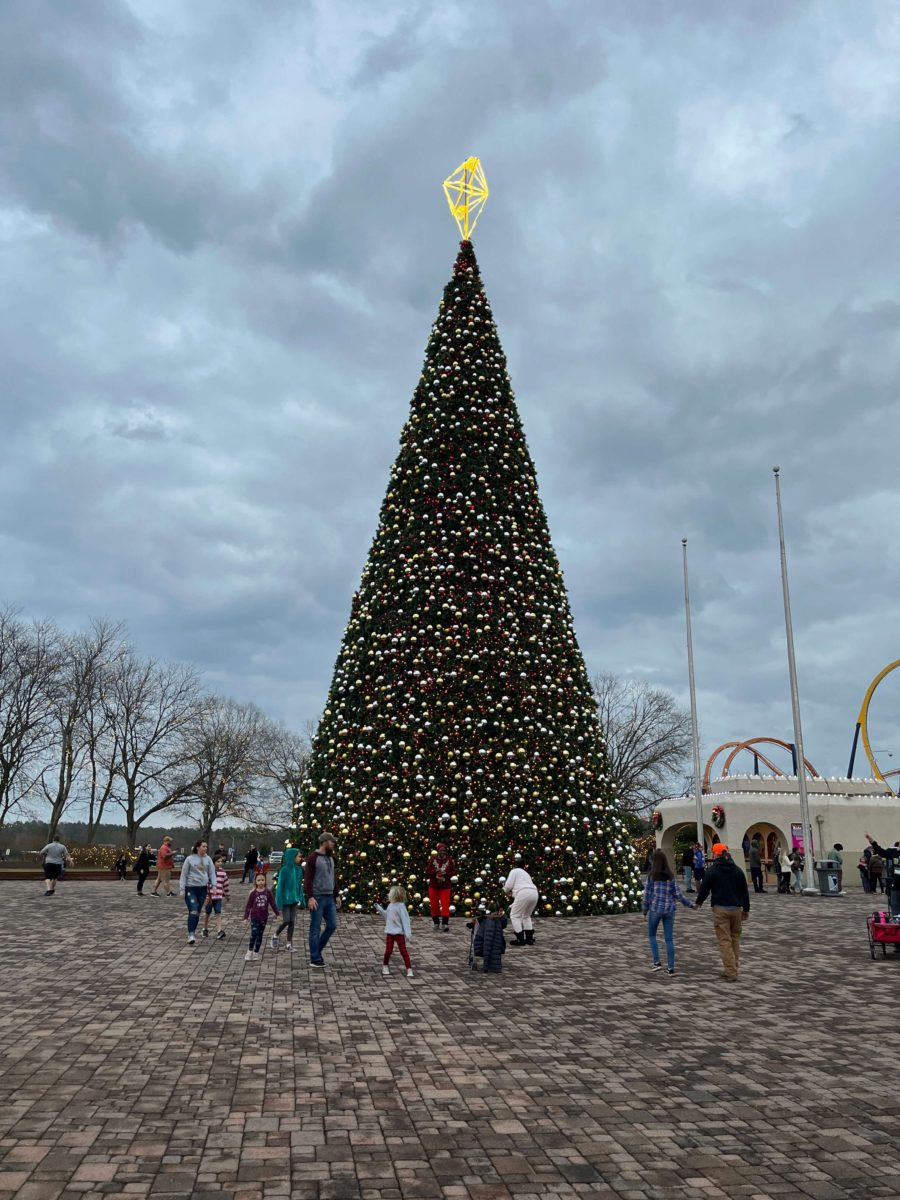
(661, 893)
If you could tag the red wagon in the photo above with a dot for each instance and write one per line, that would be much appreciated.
(883, 932)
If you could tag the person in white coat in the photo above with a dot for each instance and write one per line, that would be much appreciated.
(521, 887)
(397, 929)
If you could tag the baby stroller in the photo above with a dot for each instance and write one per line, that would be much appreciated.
(487, 942)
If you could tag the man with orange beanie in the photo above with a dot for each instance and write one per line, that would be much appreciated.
(726, 884)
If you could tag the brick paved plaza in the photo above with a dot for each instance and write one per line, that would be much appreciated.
(135, 1066)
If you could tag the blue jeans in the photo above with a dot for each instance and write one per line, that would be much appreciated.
(194, 898)
(322, 924)
(688, 873)
(668, 924)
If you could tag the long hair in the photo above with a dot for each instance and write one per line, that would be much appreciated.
(659, 866)
(397, 895)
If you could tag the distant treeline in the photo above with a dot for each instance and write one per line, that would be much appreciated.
(20, 836)
(89, 726)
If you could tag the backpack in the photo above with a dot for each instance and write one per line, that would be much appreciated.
(876, 865)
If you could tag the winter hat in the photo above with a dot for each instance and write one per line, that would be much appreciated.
(326, 837)
(441, 846)
(719, 848)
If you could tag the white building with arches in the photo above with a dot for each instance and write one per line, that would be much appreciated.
(841, 810)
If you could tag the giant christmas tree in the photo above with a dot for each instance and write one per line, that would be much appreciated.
(460, 709)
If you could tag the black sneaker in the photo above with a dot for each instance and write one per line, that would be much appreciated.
(670, 970)
(317, 962)
(205, 933)
(220, 936)
(656, 966)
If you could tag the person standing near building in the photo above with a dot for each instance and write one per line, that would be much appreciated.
(55, 858)
(756, 866)
(165, 861)
(142, 867)
(521, 887)
(876, 872)
(320, 884)
(836, 854)
(699, 864)
(890, 856)
(440, 873)
(687, 868)
(726, 884)
(198, 879)
(796, 871)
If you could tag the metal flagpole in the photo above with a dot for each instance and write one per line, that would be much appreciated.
(810, 888)
(695, 734)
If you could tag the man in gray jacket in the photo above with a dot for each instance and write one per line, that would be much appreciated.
(321, 888)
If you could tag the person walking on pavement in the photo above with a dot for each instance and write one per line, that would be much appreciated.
(216, 898)
(288, 895)
(397, 929)
(756, 866)
(726, 884)
(323, 901)
(256, 914)
(55, 858)
(142, 867)
(198, 879)
(440, 872)
(661, 893)
(520, 886)
(250, 864)
(165, 861)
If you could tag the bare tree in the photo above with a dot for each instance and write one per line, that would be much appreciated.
(29, 660)
(648, 739)
(75, 688)
(152, 711)
(224, 762)
(286, 762)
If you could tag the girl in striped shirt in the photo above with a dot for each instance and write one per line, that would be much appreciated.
(215, 898)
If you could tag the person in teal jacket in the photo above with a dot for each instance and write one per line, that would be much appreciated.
(288, 895)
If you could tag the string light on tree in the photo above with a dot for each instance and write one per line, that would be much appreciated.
(460, 708)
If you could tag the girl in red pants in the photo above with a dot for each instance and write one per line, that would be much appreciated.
(441, 871)
(397, 929)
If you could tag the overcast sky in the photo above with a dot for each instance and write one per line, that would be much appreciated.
(224, 241)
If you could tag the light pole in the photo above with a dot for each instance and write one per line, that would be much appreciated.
(695, 734)
(810, 889)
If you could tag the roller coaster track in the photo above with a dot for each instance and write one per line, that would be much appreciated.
(737, 747)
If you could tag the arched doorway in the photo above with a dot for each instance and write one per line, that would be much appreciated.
(673, 837)
(770, 838)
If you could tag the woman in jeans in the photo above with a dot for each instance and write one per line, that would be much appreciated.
(198, 876)
(661, 893)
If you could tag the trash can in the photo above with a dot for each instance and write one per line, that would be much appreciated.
(827, 870)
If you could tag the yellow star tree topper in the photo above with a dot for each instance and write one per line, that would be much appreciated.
(466, 191)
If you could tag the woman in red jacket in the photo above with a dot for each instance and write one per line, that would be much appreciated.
(441, 872)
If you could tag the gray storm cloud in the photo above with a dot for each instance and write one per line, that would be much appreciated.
(223, 244)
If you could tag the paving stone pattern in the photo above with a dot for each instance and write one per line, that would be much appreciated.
(135, 1066)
